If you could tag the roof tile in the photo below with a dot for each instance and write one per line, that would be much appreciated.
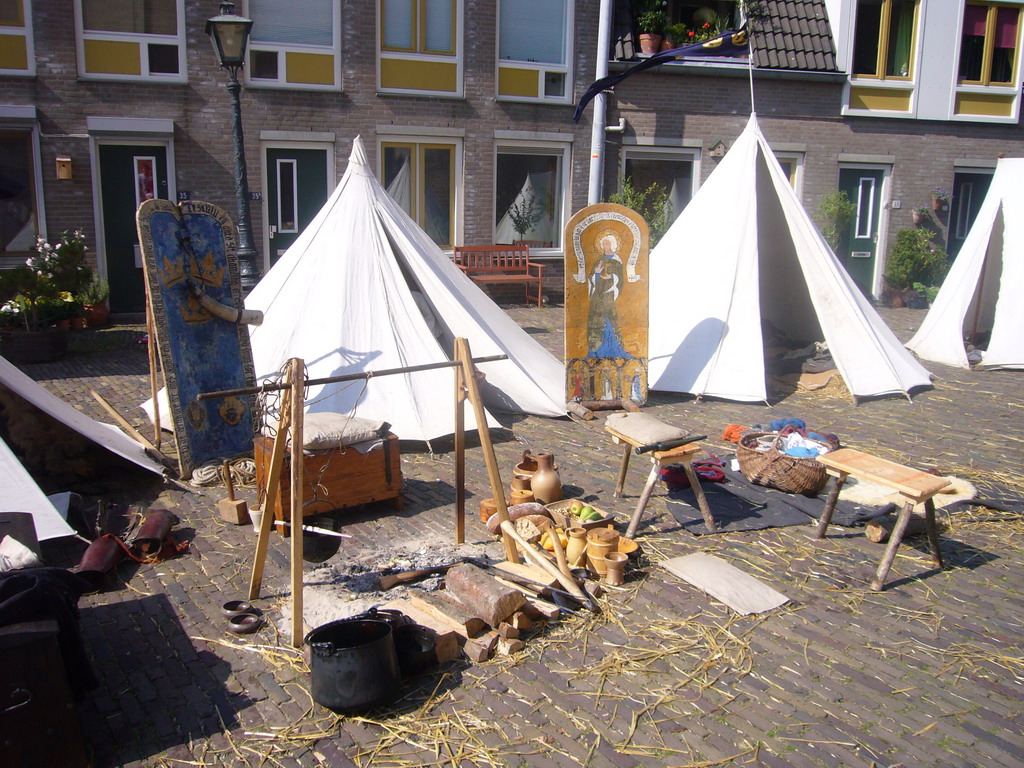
(794, 35)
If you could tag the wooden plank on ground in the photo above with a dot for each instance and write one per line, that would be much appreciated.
(727, 583)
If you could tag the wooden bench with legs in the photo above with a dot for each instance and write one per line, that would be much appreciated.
(913, 485)
(500, 265)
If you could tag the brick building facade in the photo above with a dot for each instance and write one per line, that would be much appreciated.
(456, 121)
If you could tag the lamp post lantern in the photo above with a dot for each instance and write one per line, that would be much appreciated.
(229, 34)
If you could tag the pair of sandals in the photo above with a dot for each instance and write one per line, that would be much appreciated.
(243, 617)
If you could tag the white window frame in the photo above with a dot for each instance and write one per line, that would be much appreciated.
(30, 49)
(23, 118)
(673, 153)
(542, 68)
(457, 57)
(282, 49)
(391, 134)
(524, 143)
(798, 170)
(178, 40)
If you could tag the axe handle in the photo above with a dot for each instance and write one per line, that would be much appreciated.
(394, 579)
(667, 445)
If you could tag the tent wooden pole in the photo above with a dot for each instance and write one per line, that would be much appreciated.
(270, 494)
(298, 380)
(126, 425)
(469, 375)
(460, 450)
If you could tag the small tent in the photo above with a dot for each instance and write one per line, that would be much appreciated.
(742, 254)
(981, 294)
(363, 288)
(26, 412)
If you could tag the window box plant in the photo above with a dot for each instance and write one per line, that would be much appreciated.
(651, 19)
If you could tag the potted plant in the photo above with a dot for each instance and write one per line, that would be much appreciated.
(651, 19)
(39, 293)
(919, 214)
(915, 258)
(94, 301)
(675, 36)
(940, 197)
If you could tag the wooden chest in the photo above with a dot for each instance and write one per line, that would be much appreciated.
(334, 479)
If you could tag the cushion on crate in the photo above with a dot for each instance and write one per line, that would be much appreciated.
(324, 430)
(643, 429)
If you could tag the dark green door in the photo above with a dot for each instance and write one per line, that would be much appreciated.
(858, 250)
(296, 191)
(969, 190)
(130, 174)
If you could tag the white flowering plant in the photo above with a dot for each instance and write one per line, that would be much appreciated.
(43, 290)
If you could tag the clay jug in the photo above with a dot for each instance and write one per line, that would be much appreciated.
(614, 568)
(545, 483)
(577, 546)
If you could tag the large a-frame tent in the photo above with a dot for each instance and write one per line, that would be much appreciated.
(745, 251)
(982, 292)
(359, 291)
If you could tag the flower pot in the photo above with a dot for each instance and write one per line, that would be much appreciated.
(33, 346)
(936, 204)
(916, 216)
(77, 323)
(96, 315)
(649, 43)
(667, 44)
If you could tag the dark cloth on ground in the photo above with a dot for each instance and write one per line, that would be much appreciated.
(738, 505)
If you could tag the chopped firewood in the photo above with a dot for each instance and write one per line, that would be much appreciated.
(449, 609)
(507, 631)
(479, 648)
(447, 645)
(520, 621)
(527, 571)
(508, 646)
(878, 529)
(483, 595)
(594, 588)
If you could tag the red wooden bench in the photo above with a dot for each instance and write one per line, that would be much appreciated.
(500, 264)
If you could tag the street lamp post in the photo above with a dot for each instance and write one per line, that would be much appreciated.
(230, 36)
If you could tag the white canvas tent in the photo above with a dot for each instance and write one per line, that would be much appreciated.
(745, 251)
(982, 292)
(18, 491)
(342, 299)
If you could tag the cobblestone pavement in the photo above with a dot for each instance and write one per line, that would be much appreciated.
(927, 673)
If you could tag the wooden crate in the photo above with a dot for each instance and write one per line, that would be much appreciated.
(334, 479)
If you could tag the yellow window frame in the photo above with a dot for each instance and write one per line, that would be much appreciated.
(988, 51)
(418, 17)
(417, 156)
(882, 58)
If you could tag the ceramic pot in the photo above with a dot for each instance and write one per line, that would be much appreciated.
(520, 483)
(521, 496)
(526, 467)
(615, 568)
(649, 43)
(545, 483)
(577, 546)
(600, 542)
(96, 314)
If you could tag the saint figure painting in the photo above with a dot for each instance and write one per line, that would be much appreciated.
(606, 304)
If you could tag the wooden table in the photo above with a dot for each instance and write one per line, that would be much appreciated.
(913, 485)
(682, 454)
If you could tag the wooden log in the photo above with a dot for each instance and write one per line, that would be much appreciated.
(451, 610)
(483, 595)
(508, 646)
(520, 621)
(447, 644)
(578, 410)
(480, 648)
(536, 608)
(507, 631)
(879, 529)
(525, 571)
(602, 405)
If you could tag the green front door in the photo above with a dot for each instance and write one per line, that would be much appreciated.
(296, 190)
(969, 191)
(130, 174)
(858, 250)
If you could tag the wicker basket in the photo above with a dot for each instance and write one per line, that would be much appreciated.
(775, 469)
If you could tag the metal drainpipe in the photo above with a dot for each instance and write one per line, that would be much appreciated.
(604, 33)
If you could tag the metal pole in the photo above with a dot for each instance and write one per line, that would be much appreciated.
(604, 31)
(248, 257)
